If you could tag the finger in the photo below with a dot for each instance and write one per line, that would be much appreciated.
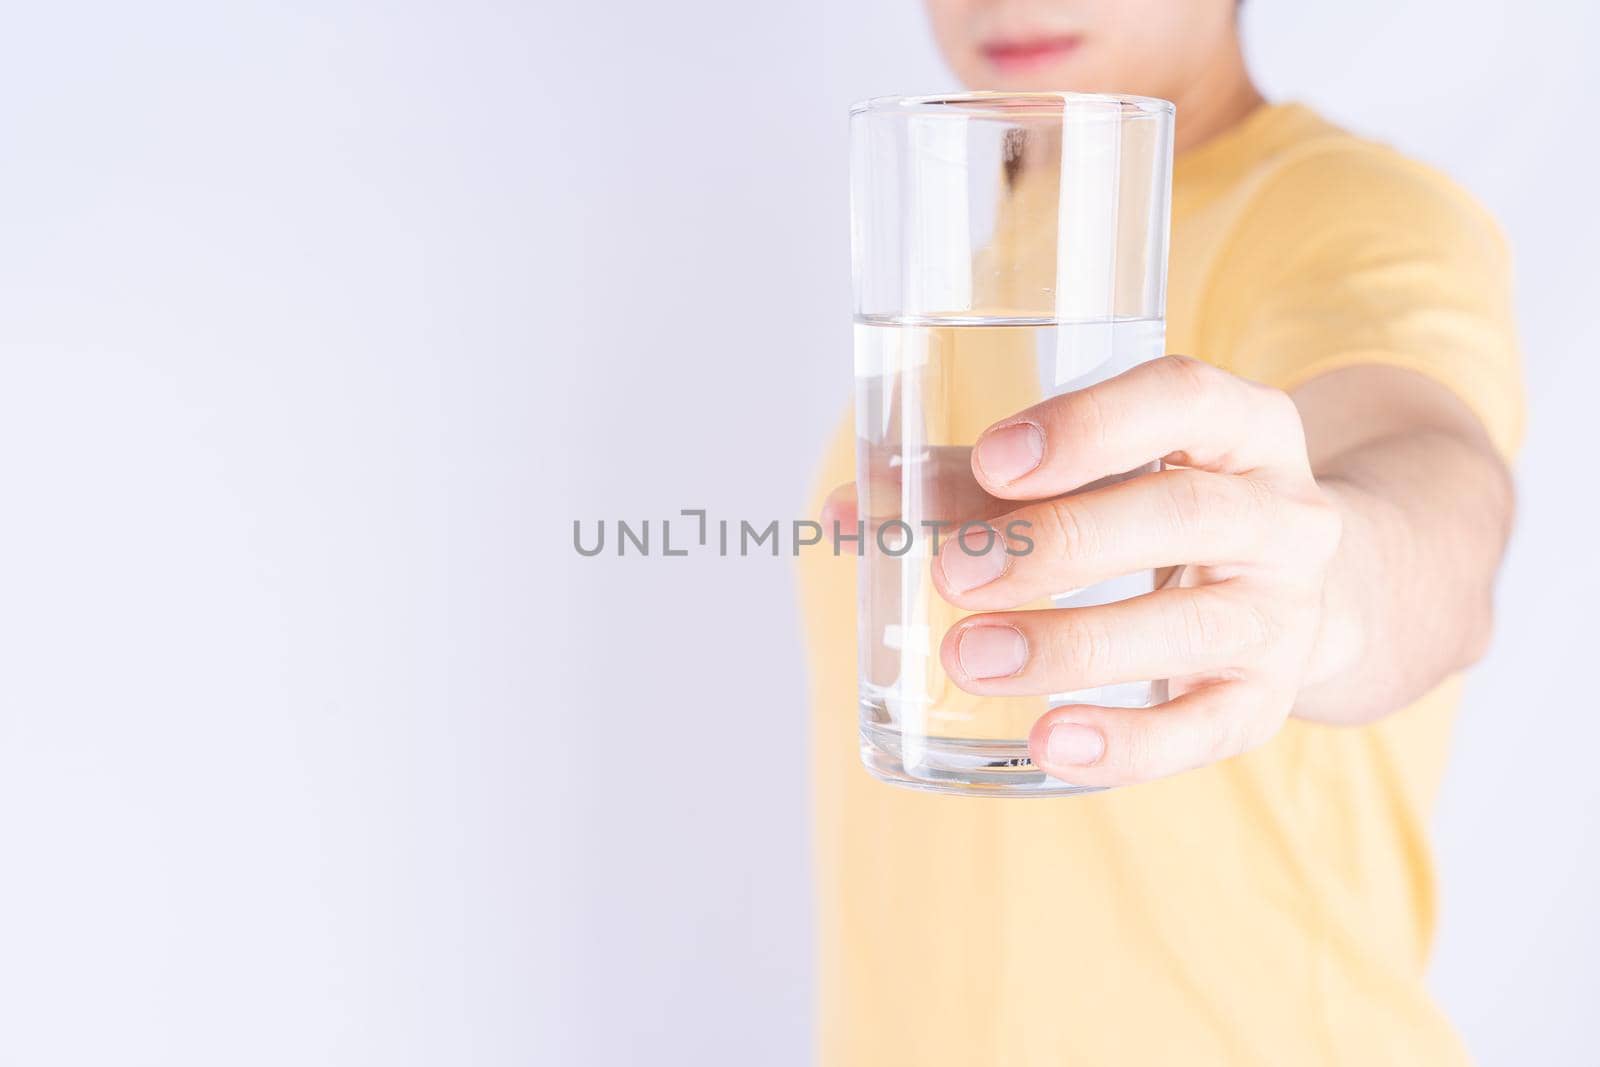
(1097, 746)
(839, 507)
(1177, 409)
(1158, 520)
(1171, 633)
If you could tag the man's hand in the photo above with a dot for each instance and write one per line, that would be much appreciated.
(1237, 516)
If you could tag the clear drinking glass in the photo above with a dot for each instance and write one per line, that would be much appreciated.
(1006, 248)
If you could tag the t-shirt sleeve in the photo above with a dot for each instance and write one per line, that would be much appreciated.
(1355, 255)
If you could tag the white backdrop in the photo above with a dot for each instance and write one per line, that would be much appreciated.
(318, 743)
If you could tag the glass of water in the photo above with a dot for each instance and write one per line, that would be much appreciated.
(1006, 248)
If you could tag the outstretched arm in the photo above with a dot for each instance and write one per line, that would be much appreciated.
(1426, 504)
(1331, 556)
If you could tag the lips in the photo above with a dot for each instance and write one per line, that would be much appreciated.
(1029, 53)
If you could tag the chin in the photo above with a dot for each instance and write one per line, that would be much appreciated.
(1061, 78)
(1045, 85)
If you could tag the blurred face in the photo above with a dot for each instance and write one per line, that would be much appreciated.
(1145, 47)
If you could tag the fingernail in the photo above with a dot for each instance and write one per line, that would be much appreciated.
(1072, 744)
(992, 651)
(977, 558)
(1006, 454)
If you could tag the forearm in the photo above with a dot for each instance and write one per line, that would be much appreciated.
(1408, 599)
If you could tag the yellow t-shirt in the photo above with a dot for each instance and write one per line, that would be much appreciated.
(1272, 909)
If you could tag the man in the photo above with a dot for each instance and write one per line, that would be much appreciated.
(1263, 895)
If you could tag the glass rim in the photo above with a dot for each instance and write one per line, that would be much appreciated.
(1003, 104)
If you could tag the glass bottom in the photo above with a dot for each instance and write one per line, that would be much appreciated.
(960, 766)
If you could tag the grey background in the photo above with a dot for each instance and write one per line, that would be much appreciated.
(319, 324)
